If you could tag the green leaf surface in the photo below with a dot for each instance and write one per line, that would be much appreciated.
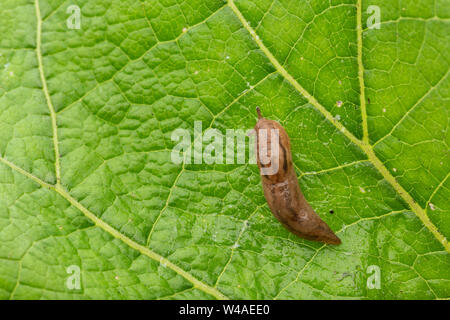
(86, 177)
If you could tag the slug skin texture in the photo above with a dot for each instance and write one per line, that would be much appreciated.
(283, 193)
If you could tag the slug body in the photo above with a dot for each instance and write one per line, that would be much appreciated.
(281, 188)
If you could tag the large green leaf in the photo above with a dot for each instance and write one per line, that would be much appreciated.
(86, 177)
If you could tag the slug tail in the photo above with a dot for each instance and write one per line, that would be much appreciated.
(315, 230)
(331, 238)
(322, 232)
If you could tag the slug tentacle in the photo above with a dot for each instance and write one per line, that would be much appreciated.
(258, 111)
(280, 184)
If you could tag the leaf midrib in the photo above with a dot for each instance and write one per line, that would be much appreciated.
(363, 144)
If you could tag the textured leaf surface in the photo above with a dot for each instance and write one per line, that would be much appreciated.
(86, 118)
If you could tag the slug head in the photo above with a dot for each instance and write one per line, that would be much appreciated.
(273, 149)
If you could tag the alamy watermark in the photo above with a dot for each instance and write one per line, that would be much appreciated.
(214, 147)
(73, 282)
(373, 22)
(374, 280)
(74, 20)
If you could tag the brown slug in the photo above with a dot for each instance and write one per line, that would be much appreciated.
(280, 184)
